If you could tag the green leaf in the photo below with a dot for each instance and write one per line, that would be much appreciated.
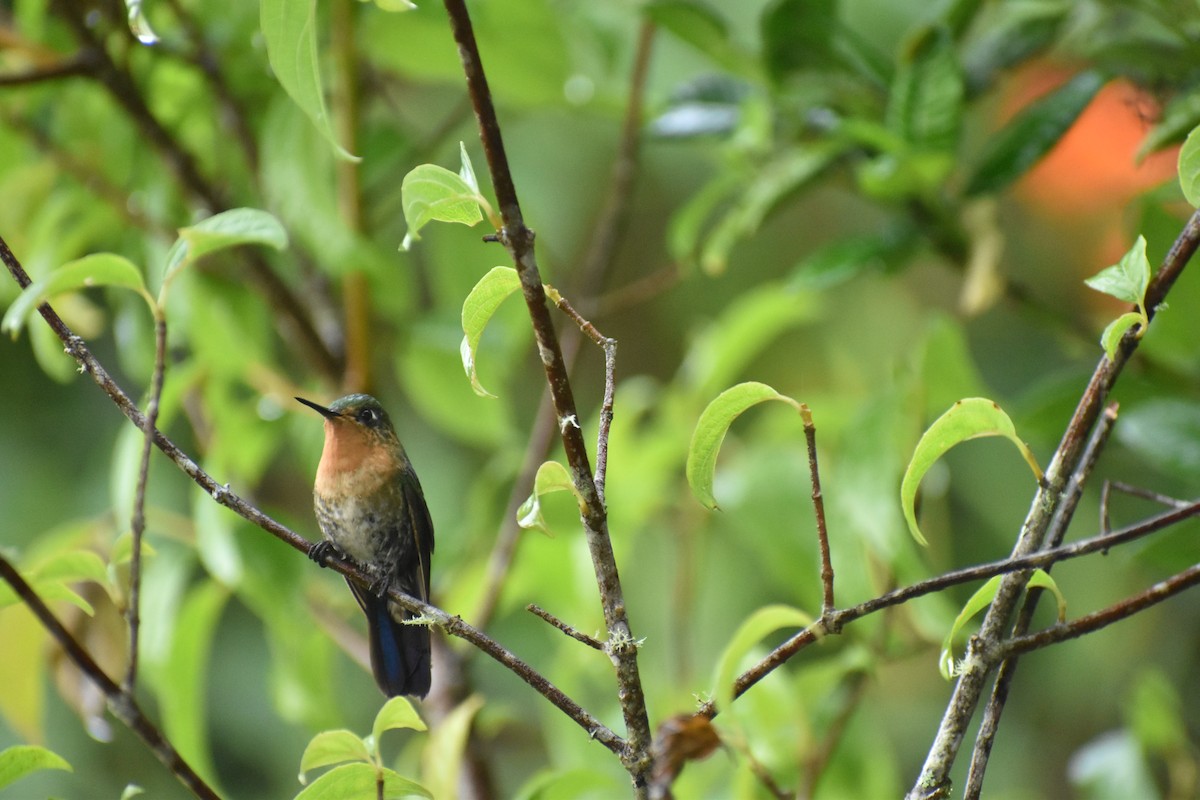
(396, 5)
(1110, 340)
(98, 269)
(289, 29)
(20, 760)
(979, 601)
(698, 25)
(467, 170)
(1040, 579)
(762, 622)
(332, 747)
(481, 303)
(711, 428)
(966, 419)
(231, 228)
(551, 476)
(926, 101)
(131, 791)
(773, 184)
(1033, 133)
(432, 193)
(798, 35)
(184, 706)
(1128, 278)
(1189, 168)
(442, 758)
(397, 714)
(359, 781)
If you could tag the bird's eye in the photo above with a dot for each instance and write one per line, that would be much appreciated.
(368, 416)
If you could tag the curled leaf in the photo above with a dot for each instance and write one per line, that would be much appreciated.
(551, 477)
(762, 622)
(710, 432)
(98, 269)
(481, 303)
(966, 419)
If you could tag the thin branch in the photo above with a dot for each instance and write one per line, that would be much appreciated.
(1135, 491)
(122, 705)
(518, 240)
(818, 501)
(75, 347)
(137, 525)
(575, 634)
(834, 623)
(610, 364)
(1100, 619)
(934, 777)
(985, 737)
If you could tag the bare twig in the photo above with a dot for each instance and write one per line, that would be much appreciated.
(575, 634)
(833, 623)
(1135, 491)
(221, 494)
(137, 525)
(1103, 618)
(122, 705)
(518, 240)
(934, 777)
(986, 735)
(610, 364)
(810, 438)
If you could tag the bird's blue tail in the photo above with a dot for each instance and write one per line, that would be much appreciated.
(399, 653)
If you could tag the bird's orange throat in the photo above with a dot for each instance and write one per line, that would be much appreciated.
(353, 461)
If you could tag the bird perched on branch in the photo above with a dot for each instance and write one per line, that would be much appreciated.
(370, 508)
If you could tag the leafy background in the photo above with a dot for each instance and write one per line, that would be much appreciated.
(846, 201)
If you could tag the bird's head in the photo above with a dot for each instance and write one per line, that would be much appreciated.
(360, 442)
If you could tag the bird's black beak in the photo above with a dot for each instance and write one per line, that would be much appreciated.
(322, 410)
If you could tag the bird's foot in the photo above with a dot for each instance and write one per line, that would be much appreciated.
(322, 550)
(381, 583)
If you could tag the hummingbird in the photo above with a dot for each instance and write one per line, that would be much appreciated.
(370, 507)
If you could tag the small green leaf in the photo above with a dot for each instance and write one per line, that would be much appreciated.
(966, 419)
(467, 170)
(20, 760)
(481, 303)
(132, 791)
(332, 747)
(1040, 579)
(395, 5)
(762, 622)
(1033, 133)
(289, 29)
(697, 24)
(397, 713)
(1128, 278)
(98, 269)
(710, 432)
(551, 476)
(358, 781)
(925, 105)
(1189, 168)
(431, 193)
(231, 228)
(979, 601)
(798, 35)
(1110, 340)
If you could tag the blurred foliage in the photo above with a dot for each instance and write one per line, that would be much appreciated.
(877, 208)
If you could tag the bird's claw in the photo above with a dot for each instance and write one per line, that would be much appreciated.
(322, 550)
